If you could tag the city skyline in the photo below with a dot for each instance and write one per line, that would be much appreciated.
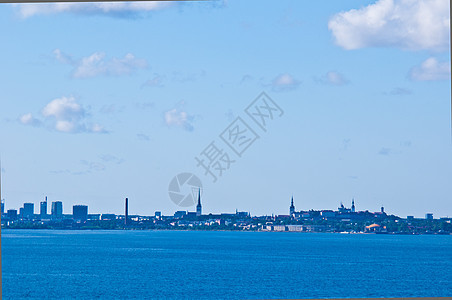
(57, 209)
(343, 220)
(135, 95)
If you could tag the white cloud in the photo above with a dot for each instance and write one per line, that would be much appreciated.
(284, 82)
(65, 115)
(143, 137)
(406, 24)
(177, 117)
(28, 119)
(121, 9)
(63, 108)
(431, 69)
(333, 78)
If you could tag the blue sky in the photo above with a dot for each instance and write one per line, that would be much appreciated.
(105, 101)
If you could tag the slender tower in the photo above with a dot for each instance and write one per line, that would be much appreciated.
(292, 208)
(126, 220)
(199, 207)
(353, 205)
(1, 200)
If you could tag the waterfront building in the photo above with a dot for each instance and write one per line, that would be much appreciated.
(93, 217)
(28, 211)
(108, 217)
(327, 214)
(43, 209)
(80, 212)
(57, 210)
(12, 214)
(180, 214)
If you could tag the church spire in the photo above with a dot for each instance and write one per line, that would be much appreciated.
(199, 207)
(292, 207)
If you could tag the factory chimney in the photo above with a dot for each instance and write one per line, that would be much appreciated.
(127, 212)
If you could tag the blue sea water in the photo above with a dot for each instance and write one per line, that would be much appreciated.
(51, 264)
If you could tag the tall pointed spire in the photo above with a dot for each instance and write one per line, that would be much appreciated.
(292, 207)
(199, 207)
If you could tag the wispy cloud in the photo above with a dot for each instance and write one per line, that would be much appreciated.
(385, 151)
(91, 166)
(113, 9)
(412, 25)
(109, 158)
(431, 69)
(399, 91)
(333, 78)
(246, 79)
(183, 77)
(156, 81)
(143, 137)
(63, 114)
(144, 105)
(283, 82)
(406, 144)
(98, 64)
(111, 109)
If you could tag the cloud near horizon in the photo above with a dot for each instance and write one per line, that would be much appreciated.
(64, 115)
(405, 24)
(96, 64)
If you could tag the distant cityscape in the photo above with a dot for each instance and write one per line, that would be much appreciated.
(342, 220)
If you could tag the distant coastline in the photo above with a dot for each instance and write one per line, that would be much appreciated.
(343, 220)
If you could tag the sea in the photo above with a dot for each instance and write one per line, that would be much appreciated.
(127, 264)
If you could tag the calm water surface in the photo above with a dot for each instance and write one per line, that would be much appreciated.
(50, 264)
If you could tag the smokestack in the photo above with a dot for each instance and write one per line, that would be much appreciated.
(127, 211)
